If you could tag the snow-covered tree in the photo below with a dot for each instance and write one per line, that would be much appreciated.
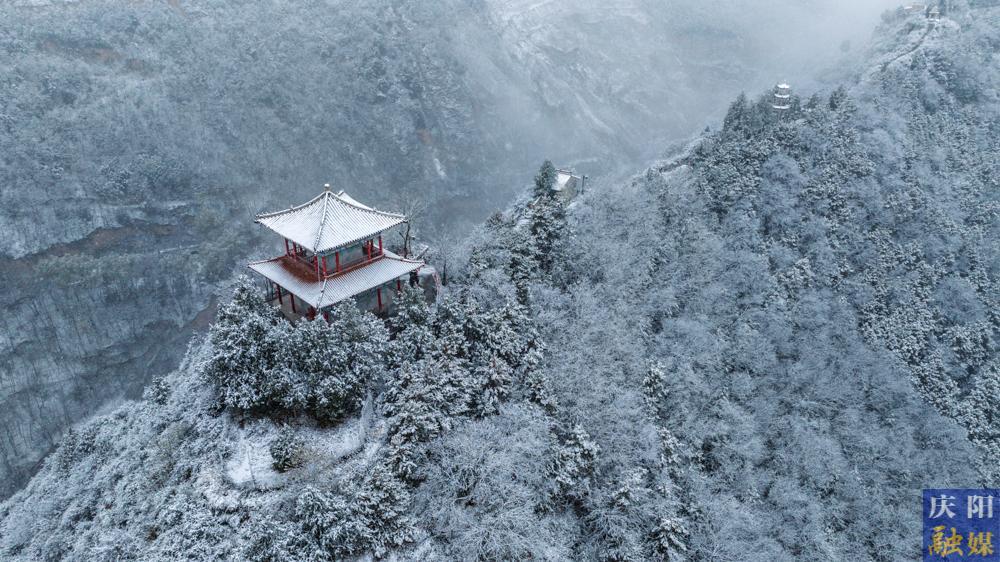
(245, 350)
(547, 223)
(370, 517)
(416, 406)
(382, 504)
(572, 466)
(287, 450)
(410, 328)
(545, 180)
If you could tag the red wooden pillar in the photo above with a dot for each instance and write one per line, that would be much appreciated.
(288, 251)
(280, 300)
(325, 272)
(337, 265)
(379, 293)
(316, 263)
(291, 297)
(399, 286)
(311, 313)
(326, 316)
(380, 244)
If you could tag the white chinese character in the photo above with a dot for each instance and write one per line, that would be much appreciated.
(980, 507)
(941, 506)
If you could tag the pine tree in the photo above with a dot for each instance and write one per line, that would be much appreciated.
(738, 115)
(371, 517)
(328, 519)
(365, 342)
(493, 380)
(417, 410)
(245, 350)
(410, 328)
(314, 368)
(523, 264)
(545, 181)
(277, 541)
(540, 391)
(495, 349)
(620, 523)
(670, 540)
(572, 466)
(492, 252)
(548, 232)
(382, 504)
(450, 356)
(287, 450)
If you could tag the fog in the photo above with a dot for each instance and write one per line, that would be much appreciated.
(138, 140)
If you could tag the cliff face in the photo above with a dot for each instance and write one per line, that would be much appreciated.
(138, 140)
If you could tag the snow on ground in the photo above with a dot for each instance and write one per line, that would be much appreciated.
(250, 466)
(326, 448)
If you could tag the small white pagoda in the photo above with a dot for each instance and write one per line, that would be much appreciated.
(782, 97)
(333, 251)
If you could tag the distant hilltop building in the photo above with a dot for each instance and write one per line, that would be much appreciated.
(915, 7)
(568, 184)
(333, 251)
(782, 97)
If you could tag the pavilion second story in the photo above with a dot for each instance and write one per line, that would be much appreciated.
(332, 234)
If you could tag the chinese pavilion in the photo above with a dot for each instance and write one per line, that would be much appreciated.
(333, 251)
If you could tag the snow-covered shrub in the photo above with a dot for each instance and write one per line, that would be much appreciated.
(287, 450)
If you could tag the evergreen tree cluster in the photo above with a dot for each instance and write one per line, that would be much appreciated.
(529, 243)
(261, 363)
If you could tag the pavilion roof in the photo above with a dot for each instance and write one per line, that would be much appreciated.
(329, 221)
(563, 178)
(301, 280)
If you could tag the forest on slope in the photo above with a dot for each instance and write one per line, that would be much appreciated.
(761, 349)
(137, 139)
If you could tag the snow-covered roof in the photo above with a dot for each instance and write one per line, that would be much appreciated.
(329, 221)
(300, 279)
(784, 86)
(562, 180)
